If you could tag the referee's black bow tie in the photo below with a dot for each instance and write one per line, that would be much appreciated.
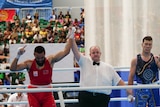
(96, 63)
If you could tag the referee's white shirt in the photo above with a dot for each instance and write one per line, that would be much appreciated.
(94, 75)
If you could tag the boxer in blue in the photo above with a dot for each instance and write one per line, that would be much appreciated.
(145, 68)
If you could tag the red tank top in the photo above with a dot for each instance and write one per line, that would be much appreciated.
(40, 76)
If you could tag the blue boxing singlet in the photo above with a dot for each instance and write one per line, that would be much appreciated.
(146, 72)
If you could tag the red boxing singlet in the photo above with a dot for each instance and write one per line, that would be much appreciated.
(40, 76)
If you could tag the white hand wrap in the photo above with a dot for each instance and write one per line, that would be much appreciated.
(72, 32)
(130, 98)
(18, 56)
(20, 52)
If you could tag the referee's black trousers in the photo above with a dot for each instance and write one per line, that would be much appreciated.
(91, 99)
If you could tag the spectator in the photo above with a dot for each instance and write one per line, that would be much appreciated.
(15, 17)
(28, 18)
(5, 47)
(60, 16)
(29, 34)
(62, 37)
(14, 34)
(23, 24)
(12, 41)
(43, 32)
(66, 23)
(49, 27)
(9, 25)
(50, 36)
(56, 36)
(75, 22)
(68, 15)
(16, 24)
(15, 78)
(35, 28)
(36, 17)
(37, 38)
(7, 34)
(56, 28)
(23, 40)
(53, 17)
(1, 36)
(18, 97)
(3, 96)
(82, 14)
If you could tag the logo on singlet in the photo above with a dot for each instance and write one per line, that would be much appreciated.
(148, 75)
(35, 73)
(45, 72)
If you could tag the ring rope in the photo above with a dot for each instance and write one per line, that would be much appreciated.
(66, 101)
(151, 86)
(68, 69)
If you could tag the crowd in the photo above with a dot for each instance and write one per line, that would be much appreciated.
(33, 29)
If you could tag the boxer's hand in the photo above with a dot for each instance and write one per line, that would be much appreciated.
(21, 51)
(73, 29)
(71, 32)
(130, 98)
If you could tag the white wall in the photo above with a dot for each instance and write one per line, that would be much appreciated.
(64, 5)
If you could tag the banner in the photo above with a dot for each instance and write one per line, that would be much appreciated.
(7, 15)
(25, 3)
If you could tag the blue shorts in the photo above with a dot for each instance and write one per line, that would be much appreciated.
(148, 97)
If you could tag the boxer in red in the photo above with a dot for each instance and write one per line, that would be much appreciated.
(40, 73)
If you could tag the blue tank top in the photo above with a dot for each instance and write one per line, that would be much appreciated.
(146, 72)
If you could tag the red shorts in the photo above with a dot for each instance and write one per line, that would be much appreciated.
(41, 99)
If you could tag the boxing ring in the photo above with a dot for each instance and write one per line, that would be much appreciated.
(74, 87)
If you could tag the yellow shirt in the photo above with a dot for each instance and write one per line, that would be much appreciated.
(43, 34)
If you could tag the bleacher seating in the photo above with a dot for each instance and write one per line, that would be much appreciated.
(43, 23)
(3, 25)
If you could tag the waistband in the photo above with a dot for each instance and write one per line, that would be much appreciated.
(39, 86)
